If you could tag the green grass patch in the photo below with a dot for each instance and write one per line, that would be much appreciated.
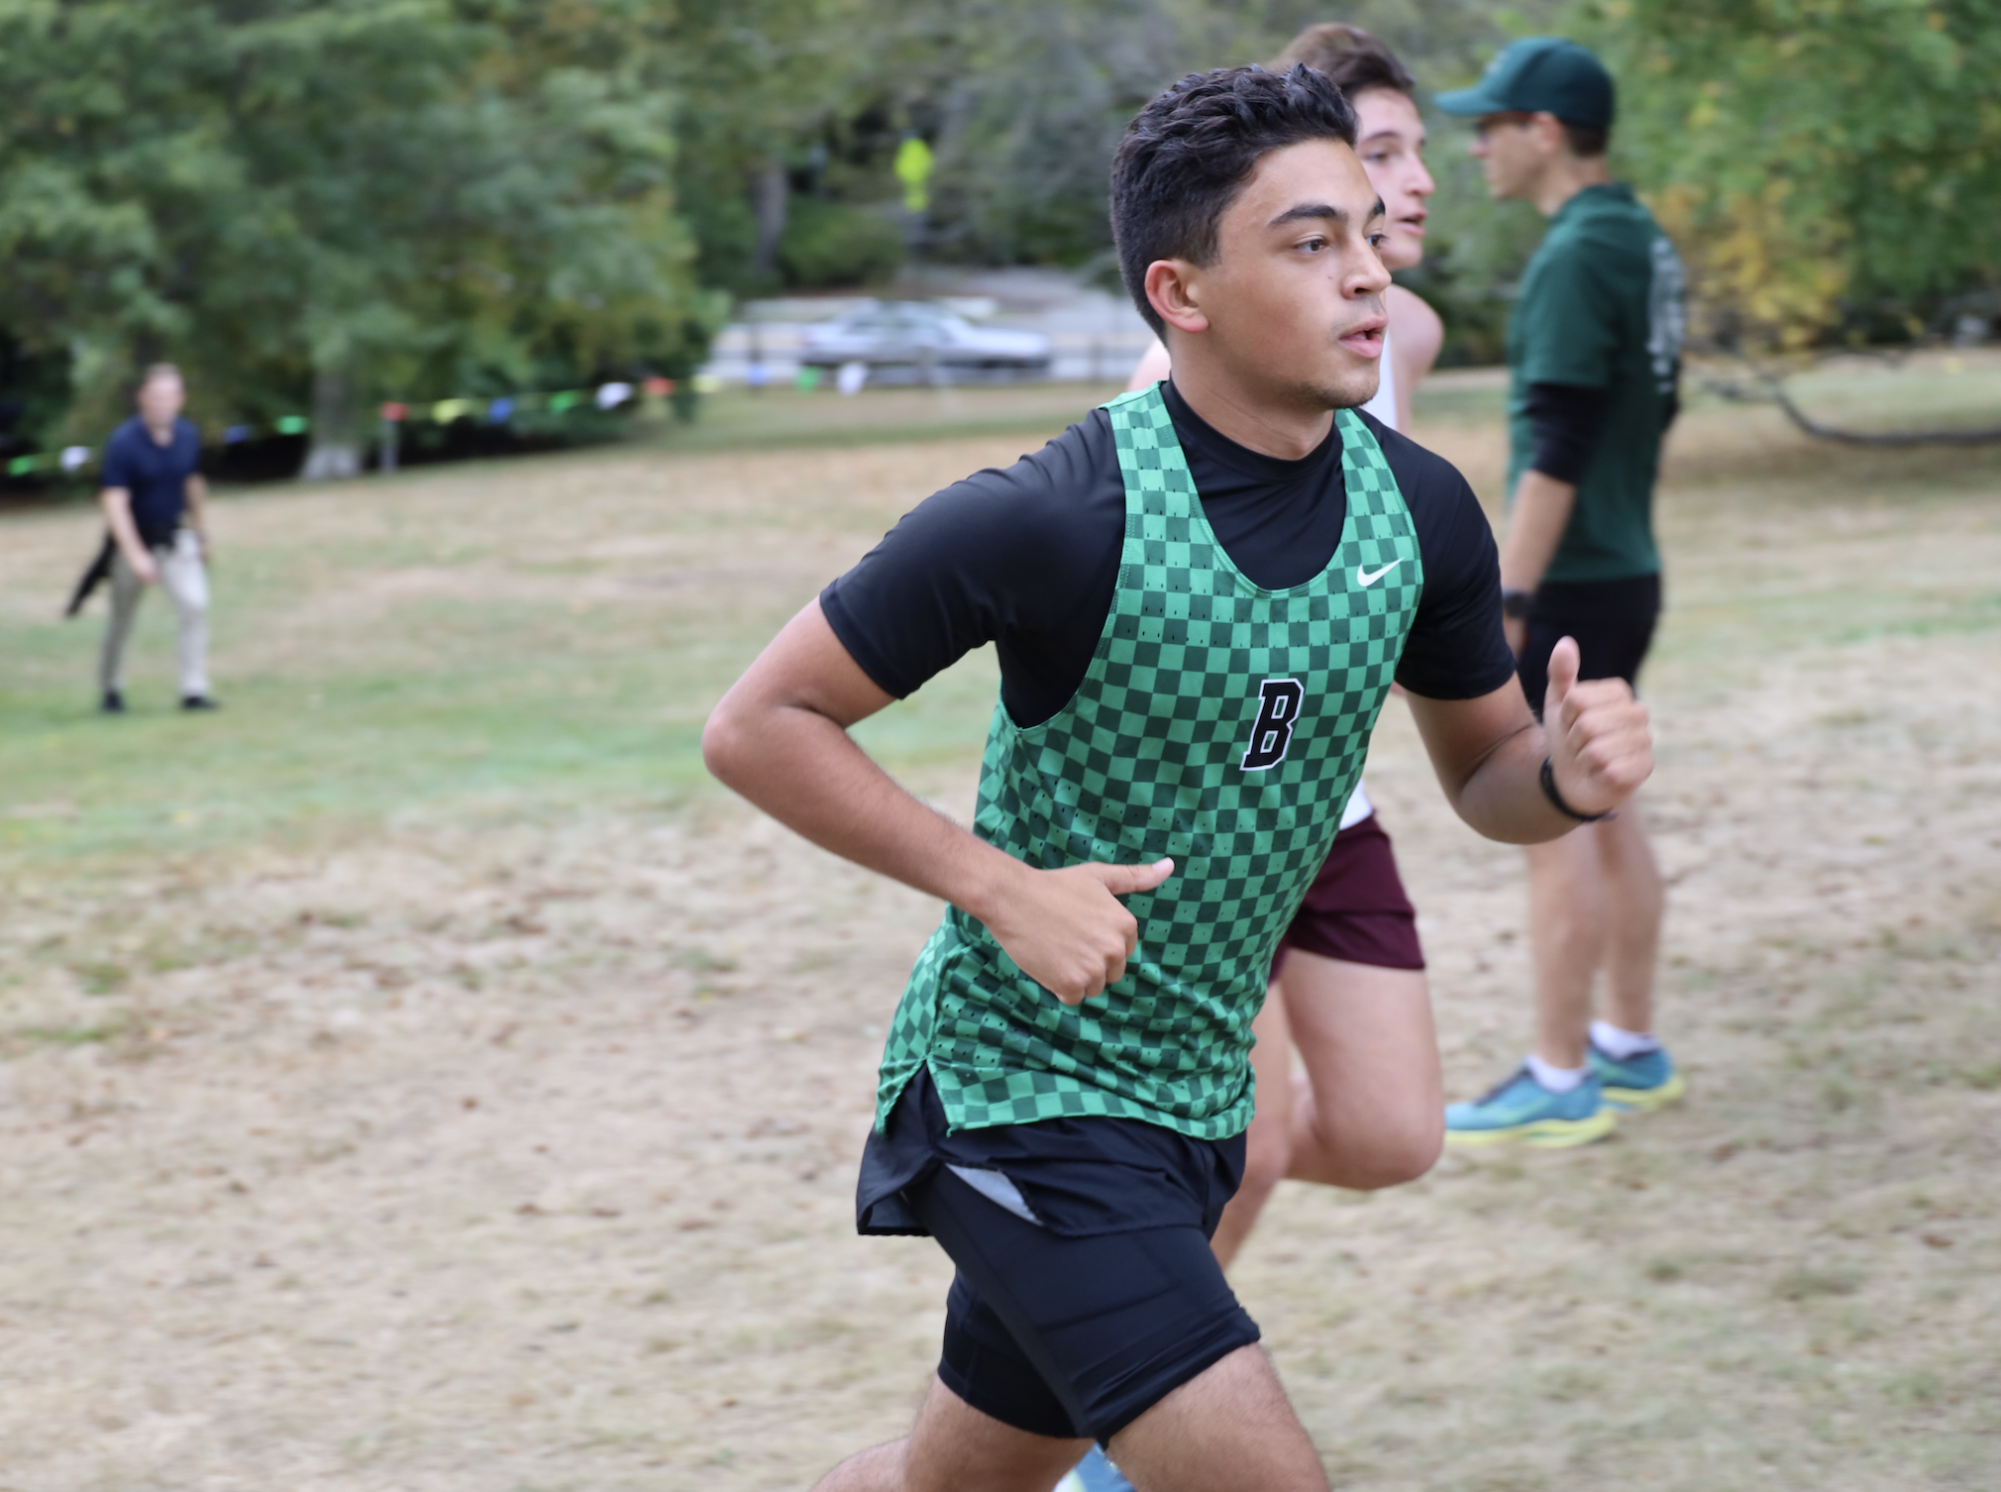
(466, 641)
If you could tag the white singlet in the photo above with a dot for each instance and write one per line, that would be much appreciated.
(1384, 405)
(1384, 408)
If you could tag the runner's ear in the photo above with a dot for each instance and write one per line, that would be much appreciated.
(1173, 289)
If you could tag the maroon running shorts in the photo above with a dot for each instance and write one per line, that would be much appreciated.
(1356, 909)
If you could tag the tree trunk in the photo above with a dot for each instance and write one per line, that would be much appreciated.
(768, 190)
(334, 447)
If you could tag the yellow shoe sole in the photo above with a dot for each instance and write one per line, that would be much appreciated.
(1646, 1100)
(1543, 1134)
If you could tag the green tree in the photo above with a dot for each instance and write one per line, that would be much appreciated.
(347, 199)
(1825, 165)
(760, 81)
(1027, 101)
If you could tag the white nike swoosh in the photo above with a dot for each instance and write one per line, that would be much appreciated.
(1368, 578)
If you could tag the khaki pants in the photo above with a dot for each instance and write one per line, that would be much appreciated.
(184, 578)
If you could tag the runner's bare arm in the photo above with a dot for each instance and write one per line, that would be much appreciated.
(1541, 513)
(1416, 335)
(780, 738)
(1488, 751)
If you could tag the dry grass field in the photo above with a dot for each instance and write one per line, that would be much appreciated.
(416, 1079)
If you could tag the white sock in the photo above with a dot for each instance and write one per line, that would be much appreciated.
(1621, 1045)
(1556, 1079)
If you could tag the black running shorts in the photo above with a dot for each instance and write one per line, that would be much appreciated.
(1074, 1336)
(1612, 620)
(1060, 1322)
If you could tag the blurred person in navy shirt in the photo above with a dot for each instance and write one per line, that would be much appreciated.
(155, 502)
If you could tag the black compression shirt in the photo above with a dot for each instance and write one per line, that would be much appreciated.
(1028, 559)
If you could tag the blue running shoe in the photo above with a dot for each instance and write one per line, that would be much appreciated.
(1520, 1108)
(1644, 1082)
(1094, 1474)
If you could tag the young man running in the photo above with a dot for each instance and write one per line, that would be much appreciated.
(1348, 985)
(1594, 350)
(1200, 597)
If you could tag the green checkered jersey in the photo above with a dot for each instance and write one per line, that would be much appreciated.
(1220, 723)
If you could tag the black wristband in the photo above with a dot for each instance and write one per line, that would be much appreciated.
(1516, 604)
(1548, 780)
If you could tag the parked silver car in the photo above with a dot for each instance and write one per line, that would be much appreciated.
(909, 341)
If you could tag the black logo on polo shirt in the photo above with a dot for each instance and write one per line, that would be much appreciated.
(1278, 712)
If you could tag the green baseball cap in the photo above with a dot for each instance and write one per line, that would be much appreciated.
(1539, 75)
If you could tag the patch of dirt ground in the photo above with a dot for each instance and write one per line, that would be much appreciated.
(520, 1156)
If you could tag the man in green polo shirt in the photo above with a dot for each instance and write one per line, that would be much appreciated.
(1594, 349)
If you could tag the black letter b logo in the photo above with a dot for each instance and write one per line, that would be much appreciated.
(1278, 713)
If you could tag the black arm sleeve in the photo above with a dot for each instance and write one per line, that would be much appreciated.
(1457, 648)
(1026, 558)
(1566, 418)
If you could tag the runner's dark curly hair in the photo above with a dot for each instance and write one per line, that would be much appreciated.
(1187, 154)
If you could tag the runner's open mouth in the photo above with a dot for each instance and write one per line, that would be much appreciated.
(1366, 338)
